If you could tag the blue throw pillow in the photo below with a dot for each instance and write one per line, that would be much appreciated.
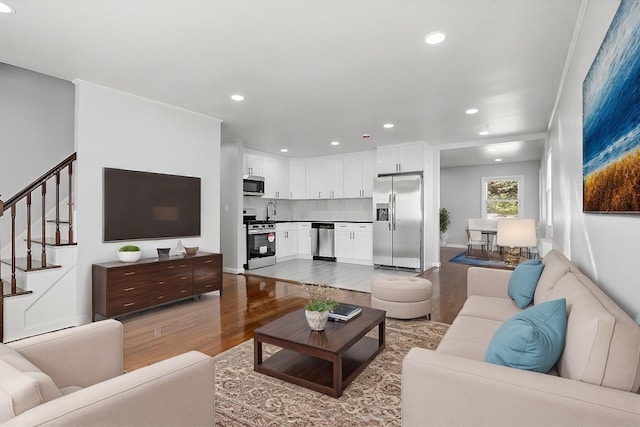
(532, 339)
(523, 282)
(531, 262)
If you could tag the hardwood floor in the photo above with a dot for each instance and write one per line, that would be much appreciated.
(214, 324)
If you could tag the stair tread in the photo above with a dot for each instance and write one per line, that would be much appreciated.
(36, 264)
(6, 290)
(51, 241)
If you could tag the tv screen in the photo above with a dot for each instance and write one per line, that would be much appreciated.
(145, 205)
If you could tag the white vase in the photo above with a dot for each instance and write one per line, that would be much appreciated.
(129, 256)
(317, 319)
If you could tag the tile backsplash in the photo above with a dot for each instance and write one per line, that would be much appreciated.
(360, 209)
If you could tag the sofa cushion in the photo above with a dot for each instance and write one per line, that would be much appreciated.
(531, 340)
(554, 268)
(469, 337)
(523, 282)
(589, 332)
(492, 308)
(22, 384)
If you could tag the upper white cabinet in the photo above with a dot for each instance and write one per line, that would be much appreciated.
(313, 179)
(276, 177)
(252, 164)
(359, 171)
(332, 178)
(297, 179)
(400, 158)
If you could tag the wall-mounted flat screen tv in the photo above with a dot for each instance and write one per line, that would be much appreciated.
(145, 205)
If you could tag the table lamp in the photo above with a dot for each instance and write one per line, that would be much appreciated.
(515, 234)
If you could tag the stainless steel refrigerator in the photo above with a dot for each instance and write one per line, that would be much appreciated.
(397, 221)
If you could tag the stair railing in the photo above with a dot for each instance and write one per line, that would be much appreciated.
(26, 194)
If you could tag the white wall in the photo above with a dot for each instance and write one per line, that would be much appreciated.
(231, 206)
(116, 129)
(461, 193)
(603, 246)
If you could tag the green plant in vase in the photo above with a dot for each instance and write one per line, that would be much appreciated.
(445, 222)
(129, 253)
(320, 303)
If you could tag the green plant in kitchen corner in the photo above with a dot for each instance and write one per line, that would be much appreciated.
(445, 220)
(129, 248)
(320, 297)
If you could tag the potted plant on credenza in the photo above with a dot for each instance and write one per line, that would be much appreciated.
(129, 253)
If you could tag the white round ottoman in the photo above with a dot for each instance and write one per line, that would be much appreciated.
(402, 297)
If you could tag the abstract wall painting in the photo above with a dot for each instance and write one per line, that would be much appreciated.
(611, 118)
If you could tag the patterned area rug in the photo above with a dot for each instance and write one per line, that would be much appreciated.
(463, 259)
(247, 398)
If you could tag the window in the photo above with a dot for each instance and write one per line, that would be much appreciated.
(502, 197)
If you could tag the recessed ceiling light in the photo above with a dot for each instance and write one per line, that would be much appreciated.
(493, 149)
(484, 132)
(435, 37)
(498, 160)
(388, 125)
(472, 111)
(335, 142)
(284, 150)
(237, 97)
(5, 8)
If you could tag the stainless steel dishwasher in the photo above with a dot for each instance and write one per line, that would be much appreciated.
(323, 241)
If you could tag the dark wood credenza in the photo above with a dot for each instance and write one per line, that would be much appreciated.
(121, 288)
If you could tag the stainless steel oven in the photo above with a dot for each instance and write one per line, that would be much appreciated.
(261, 244)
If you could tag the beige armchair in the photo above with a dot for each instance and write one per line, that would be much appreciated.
(75, 377)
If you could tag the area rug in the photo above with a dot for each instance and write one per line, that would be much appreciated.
(246, 398)
(463, 259)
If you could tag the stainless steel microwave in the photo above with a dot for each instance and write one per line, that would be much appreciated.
(252, 185)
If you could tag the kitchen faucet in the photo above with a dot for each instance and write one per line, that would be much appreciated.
(274, 209)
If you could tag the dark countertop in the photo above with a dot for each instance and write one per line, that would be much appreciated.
(326, 222)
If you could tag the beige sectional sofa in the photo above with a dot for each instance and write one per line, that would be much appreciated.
(595, 381)
(74, 377)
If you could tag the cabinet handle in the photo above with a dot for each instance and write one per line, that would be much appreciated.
(209, 261)
(129, 304)
(161, 283)
(171, 266)
(183, 291)
(129, 273)
(129, 289)
(208, 286)
(319, 195)
(161, 297)
(183, 278)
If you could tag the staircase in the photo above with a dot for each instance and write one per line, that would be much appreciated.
(36, 271)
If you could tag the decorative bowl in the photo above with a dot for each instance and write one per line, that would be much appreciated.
(129, 256)
(192, 250)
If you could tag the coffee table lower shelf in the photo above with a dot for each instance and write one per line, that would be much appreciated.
(317, 373)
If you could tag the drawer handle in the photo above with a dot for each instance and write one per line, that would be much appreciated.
(129, 273)
(183, 265)
(208, 286)
(172, 266)
(183, 291)
(129, 304)
(183, 278)
(160, 283)
(209, 261)
(161, 297)
(129, 289)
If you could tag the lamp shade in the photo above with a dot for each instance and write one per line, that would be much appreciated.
(516, 232)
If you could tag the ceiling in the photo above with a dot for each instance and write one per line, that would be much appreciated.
(316, 71)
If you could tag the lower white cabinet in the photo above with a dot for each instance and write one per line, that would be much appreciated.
(286, 241)
(354, 242)
(304, 240)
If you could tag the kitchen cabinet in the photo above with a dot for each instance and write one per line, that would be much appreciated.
(359, 172)
(252, 164)
(304, 240)
(297, 179)
(286, 241)
(354, 242)
(313, 178)
(332, 178)
(276, 177)
(400, 158)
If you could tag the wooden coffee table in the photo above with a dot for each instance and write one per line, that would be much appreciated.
(325, 361)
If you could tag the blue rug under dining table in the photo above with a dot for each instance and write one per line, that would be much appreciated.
(463, 259)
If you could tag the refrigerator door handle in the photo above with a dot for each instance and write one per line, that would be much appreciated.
(390, 215)
(394, 212)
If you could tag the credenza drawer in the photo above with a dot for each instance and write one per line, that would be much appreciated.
(125, 303)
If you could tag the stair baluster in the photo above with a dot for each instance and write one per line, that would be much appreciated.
(13, 249)
(44, 225)
(29, 256)
(71, 202)
(58, 208)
